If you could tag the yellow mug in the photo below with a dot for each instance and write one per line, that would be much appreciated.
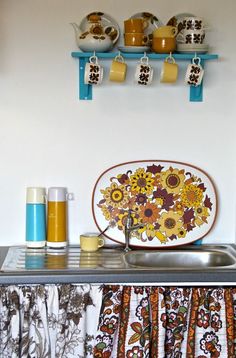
(118, 69)
(165, 31)
(135, 39)
(169, 73)
(91, 242)
(163, 44)
(136, 25)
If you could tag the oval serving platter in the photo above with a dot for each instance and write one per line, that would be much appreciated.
(175, 202)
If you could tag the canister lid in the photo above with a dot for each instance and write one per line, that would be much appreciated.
(57, 194)
(36, 195)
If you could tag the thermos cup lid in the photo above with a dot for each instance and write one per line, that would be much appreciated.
(57, 194)
(36, 195)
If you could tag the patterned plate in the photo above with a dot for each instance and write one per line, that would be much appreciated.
(152, 20)
(176, 203)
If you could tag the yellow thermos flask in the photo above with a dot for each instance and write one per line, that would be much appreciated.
(57, 217)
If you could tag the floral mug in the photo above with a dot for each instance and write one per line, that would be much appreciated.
(194, 73)
(93, 73)
(144, 72)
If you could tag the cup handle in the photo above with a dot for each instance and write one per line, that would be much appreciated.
(181, 38)
(112, 32)
(145, 24)
(119, 58)
(144, 59)
(170, 58)
(101, 242)
(145, 40)
(93, 59)
(175, 31)
(70, 196)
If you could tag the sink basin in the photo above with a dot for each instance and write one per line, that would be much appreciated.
(191, 257)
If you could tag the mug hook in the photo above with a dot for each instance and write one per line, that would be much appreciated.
(119, 57)
(196, 59)
(170, 57)
(144, 58)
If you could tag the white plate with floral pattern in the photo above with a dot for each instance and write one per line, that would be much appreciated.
(175, 202)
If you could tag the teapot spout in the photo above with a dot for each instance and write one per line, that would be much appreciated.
(77, 32)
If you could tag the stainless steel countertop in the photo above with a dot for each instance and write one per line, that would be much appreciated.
(27, 266)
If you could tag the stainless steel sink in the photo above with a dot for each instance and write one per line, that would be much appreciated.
(187, 258)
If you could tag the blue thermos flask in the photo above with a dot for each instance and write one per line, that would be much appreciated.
(35, 217)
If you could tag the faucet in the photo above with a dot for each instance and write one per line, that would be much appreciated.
(129, 228)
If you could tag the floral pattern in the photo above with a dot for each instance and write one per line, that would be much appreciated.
(66, 321)
(170, 322)
(195, 75)
(48, 321)
(144, 74)
(170, 203)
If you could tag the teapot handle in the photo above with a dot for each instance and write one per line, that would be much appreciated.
(112, 32)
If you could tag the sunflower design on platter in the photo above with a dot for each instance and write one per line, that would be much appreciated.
(116, 195)
(170, 202)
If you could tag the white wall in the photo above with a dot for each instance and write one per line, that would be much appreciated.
(48, 137)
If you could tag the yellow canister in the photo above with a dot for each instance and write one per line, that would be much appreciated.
(57, 217)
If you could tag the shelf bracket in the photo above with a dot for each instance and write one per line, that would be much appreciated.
(196, 93)
(85, 91)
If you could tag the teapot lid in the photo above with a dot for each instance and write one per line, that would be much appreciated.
(94, 18)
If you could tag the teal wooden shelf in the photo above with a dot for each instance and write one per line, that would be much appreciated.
(85, 91)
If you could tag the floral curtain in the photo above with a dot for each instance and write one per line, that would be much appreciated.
(65, 321)
(166, 322)
(47, 321)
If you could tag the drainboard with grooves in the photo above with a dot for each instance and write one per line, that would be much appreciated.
(71, 258)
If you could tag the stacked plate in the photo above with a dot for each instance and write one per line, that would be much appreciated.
(192, 48)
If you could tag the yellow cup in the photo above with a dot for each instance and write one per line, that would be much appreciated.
(165, 31)
(118, 69)
(136, 25)
(91, 242)
(163, 44)
(169, 73)
(135, 39)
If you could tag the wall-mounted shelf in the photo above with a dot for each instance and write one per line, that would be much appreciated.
(85, 91)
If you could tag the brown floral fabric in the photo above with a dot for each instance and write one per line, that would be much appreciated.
(166, 322)
(65, 321)
(47, 321)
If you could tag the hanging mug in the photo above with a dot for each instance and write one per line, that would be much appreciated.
(194, 73)
(118, 69)
(169, 73)
(144, 72)
(93, 73)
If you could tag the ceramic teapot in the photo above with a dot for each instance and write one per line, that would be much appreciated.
(96, 37)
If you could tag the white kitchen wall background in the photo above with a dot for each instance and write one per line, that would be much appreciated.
(48, 137)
